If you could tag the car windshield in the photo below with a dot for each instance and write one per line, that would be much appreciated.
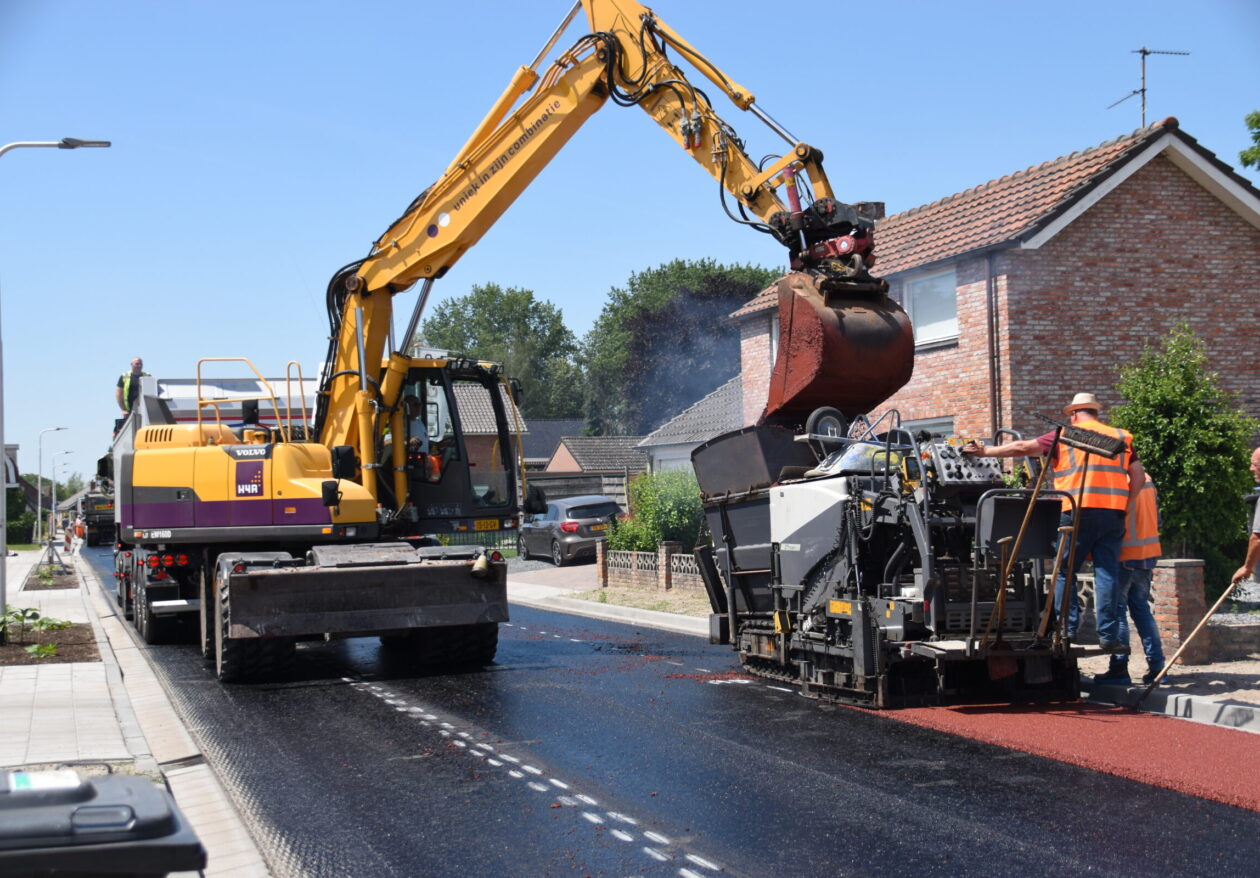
(594, 510)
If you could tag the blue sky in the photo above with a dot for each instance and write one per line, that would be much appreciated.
(259, 146)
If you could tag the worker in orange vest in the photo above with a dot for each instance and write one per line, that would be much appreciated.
(1138, 554)
(1104, 504)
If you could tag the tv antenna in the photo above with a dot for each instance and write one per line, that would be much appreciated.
(1142, 91)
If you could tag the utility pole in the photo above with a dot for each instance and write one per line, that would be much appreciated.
(1142, 91)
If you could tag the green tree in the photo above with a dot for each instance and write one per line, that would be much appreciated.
(19, 521)
(663, 506)
(1194, 441)
(1250, 157)
(661, 342)
(528, 336)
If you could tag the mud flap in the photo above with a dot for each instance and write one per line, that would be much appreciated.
(296, 601)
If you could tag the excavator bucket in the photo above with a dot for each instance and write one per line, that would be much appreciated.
(847, 349)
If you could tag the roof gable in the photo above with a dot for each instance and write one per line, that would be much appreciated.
(544, 434)
(606, 453)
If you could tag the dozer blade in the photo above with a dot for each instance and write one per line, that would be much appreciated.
(284, 602)
(842, 349)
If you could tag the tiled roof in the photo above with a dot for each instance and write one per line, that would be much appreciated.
(760, 302)
(545, 434)
(1002, 210)
(1011, 208)
(720, 411)
(606, 453)
(476, 412)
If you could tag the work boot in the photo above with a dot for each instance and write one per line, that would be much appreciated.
(1113, 647)
(1151, 673)
(1117, 675)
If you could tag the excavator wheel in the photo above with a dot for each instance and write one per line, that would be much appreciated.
(452, 646)
(252, 658)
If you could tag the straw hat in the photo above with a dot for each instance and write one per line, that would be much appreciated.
(1082, 401)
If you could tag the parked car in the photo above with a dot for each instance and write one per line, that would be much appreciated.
(569, 528)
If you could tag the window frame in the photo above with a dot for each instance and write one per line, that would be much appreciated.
(907, 302)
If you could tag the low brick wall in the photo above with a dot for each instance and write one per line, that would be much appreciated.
(666, 568)
(1180, 605)
(1234, 641)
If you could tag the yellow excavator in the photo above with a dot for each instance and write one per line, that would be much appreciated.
(270, 536)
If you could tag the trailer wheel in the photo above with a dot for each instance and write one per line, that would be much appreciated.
(253, 658)
(153, 629)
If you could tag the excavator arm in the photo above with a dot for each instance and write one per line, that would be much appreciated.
(625, 58)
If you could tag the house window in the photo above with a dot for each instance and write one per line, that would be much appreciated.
(774, 337)
(932, 302)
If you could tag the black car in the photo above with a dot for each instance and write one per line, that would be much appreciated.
(569, 528)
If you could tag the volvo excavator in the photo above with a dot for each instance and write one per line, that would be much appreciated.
(272, 530)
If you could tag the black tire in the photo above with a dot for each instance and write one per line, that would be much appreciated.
(826, 421)
(92, 540)
(253, 658)
(153, 629)
(521, 548)
(557, 556)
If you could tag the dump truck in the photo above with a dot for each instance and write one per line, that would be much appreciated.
(98, 518)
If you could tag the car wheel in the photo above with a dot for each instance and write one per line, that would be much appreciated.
(521, 548)
(557, 557)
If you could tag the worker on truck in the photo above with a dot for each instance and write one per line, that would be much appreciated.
(128, 389)
(1111, 487)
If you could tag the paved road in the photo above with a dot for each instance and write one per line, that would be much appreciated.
(597, 748)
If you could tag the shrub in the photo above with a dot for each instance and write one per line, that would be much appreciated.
(663, 506)
(1193, 441)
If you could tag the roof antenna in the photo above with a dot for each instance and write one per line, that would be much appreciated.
(1142, 91)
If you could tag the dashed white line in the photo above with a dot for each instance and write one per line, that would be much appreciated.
(655, 854)
(594, 818)
(531, 769)
(781, 689)
(656, 837)
(687, 873)
(516, 774)
(621, 836)
(703, 863)
(561, 784)
(509, 758)
(623, 818)
(496, 763)
(539, 787)
(588, 800)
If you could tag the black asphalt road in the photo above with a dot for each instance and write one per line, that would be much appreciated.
(595, 748)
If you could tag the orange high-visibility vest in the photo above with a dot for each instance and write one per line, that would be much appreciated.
(1106, 483)
(1141, 532)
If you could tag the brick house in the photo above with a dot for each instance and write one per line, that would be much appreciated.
(1031, 287)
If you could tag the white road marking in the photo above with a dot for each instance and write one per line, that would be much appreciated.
(622, 836)
(531, 769)
(623, 818)
(496, 763)
(561, 784)
(516, 774)
(687, 873)
(655, 854)
(656, 837)
(780, 689)
(588, 800)
(703, 863)
(508, 758)
(594, 818)
(539, 787)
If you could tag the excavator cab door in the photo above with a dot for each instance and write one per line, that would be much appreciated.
(460, 472)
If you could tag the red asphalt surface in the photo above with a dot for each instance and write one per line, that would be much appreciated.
(1210, 762)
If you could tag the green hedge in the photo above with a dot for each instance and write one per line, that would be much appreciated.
(663, 506)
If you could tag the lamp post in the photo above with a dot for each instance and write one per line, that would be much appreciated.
(64, 143)
(39, 486)
(53, 532)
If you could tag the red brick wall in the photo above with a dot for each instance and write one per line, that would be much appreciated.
(1157, 250)
(755, 363)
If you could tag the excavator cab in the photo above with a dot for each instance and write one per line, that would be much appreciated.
(459, 449)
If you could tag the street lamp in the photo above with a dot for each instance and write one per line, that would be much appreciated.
(39, 485)
(54, 490)
(64, 143)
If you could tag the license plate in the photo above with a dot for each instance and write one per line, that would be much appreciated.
(599, 527)
(486, 524)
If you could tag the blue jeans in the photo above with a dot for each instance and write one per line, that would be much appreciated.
(1100, 534)
(1134, 591)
